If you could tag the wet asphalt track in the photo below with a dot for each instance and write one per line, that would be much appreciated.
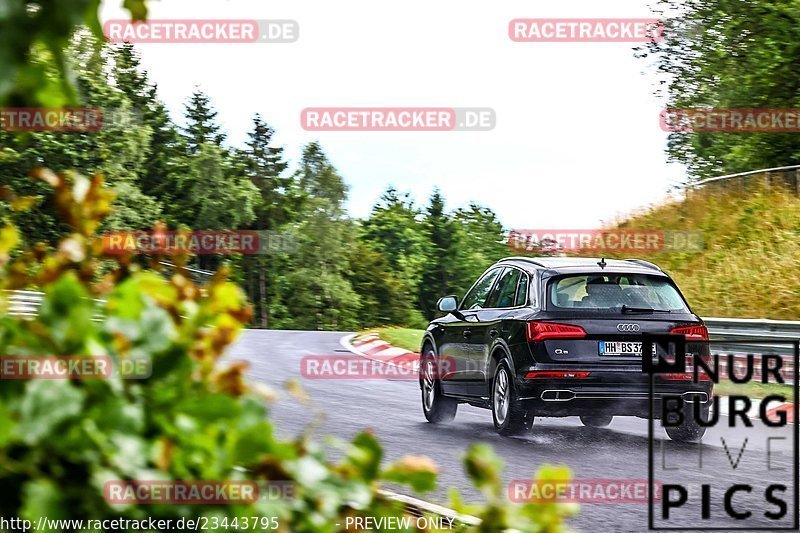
(392, 409)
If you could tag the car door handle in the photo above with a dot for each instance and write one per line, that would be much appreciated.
(467, 334)
(493, 333)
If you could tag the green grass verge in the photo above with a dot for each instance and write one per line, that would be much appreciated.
(406, 338)
(754, 390)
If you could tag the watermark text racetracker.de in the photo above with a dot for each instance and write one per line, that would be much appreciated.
(67, 119)
(358, 367)
(197, 31)
(168, 242)
(204, 523)
(397, 119)
(29, 367)
(605, 240)
(729, 120)
(149, 492)
(599, 30)
(581, 491)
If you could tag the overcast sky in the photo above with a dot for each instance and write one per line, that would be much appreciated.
(577, 141)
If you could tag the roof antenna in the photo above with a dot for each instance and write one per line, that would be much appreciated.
(602, 263)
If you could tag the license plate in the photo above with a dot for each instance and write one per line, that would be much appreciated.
(620, 348)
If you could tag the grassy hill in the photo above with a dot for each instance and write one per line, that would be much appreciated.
(750, 265)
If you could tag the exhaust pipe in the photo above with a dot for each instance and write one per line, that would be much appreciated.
(558, 395)
(701, 397)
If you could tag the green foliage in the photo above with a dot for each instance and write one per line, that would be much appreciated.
(34, 35)
(193, 418)
(754, 389)
(407, 259)
(265, 165)
(162, 173)
(749, 236)
(383, 297)
(461, 246)
(344, 274)
(116, 150)
(202, 127)
(394, 229)
(223, 196)
(484, 237)
(485, 468)
(314, 292)
(729, 54)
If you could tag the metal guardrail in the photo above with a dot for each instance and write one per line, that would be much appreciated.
(198, 276)
(743, 333)
(740, 336)
(753, 327)
(206, 273)
(787, 177)
(26, 304)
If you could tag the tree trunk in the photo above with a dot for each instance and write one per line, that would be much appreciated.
(262, 289)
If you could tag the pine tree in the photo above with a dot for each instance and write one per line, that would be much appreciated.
(315, 293)
(162, 173)
(444, 272)
(201, 123)
(318, 179)
(484, 239)
(395, 230)
(130, 78)
(224, 198)
(265, 165)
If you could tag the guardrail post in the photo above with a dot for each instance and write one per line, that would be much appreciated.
(797, 182)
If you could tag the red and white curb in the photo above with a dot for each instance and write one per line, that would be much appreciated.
(755, 406)
(786, 407)
(371, 347)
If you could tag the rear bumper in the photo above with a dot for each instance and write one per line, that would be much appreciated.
(607, 393)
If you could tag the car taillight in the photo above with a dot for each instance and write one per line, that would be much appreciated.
(692, 333)
(684, 376)
(696, 333)
(556, 374)
(539, 331)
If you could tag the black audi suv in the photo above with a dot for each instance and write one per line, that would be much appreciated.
(560, 336)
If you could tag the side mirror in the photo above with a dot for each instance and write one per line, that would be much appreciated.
(447, 304)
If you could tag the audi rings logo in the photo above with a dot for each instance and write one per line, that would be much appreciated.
(628, 328)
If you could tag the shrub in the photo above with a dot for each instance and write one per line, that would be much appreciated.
(192, 418)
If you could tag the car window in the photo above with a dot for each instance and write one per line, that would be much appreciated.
(476, 298)
(612, 291)
(522, 291)
(505, 289)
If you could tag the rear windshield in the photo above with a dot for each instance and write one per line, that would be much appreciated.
(613, 291)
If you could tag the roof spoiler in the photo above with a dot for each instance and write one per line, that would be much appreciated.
(644, 263)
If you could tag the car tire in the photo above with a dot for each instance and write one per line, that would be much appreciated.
(437, 408)
(689, 430)
(510, 417)
(596, 421)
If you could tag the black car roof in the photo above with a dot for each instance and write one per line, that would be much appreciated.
(565, 265)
